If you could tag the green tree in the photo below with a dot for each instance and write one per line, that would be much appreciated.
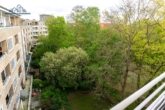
(84, 25)
(50, 98)
(137, 22)
(110, 62)
(44, 45)
(58, 33)
(66, 68)
(37, 83)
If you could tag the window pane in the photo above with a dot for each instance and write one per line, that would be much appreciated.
(10, 44)
(3, 75)
(12, 64)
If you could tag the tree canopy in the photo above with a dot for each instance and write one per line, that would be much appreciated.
(66, 67)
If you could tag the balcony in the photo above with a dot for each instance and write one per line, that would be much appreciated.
(2, 56)
(5, 75)
(8, 20)
(9, 100)
(35, 26)
(45, 33)
(35, 30)
(6, 80)
(3, 49)
(27, 64)
(18, 55)
(150, 103)
(19, 71)
(16, 39)
(35, 34)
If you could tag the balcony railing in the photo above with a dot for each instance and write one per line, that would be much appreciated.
(5, 82)
(158, 104)
(10, 102)
(35, 34)
(35, 25)
(8, 27)
(4, 54)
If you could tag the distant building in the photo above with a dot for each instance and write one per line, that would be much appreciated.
(38, 28)
(43, 17)
(105, 25)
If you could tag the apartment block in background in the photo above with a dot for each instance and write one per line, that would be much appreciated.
(38, 28)
(43, 17)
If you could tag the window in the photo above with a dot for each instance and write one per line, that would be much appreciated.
(19, 37)
(16, 39)
(19, 71)
(18, 55)
(15, 82)
(9, 97)
(21, 52)
(10, 44)
(12, 64)
(22, 65)
(3, 75)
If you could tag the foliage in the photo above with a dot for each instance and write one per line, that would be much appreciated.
(84, 25)
(66, 67)
(45, 45)
(140, 26)
(50, 104)
(109, 61)
(51, 98)
(35, 63)
(58, 32)
(104, 47)
(37, 83)
(57, 35)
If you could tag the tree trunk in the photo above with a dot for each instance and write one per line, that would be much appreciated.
(125, 80)
(138, 87)
(138, 82)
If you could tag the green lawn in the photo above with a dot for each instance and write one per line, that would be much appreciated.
(81, 101)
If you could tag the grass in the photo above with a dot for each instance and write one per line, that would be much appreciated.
(82, 101)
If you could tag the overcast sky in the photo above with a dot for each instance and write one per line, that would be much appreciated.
(55, 7)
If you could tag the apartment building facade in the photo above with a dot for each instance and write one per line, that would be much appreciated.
(15, 43)
(43, 18)
(38, 28)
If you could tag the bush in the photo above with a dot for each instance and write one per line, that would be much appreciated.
(35, 63)
(37, 83)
